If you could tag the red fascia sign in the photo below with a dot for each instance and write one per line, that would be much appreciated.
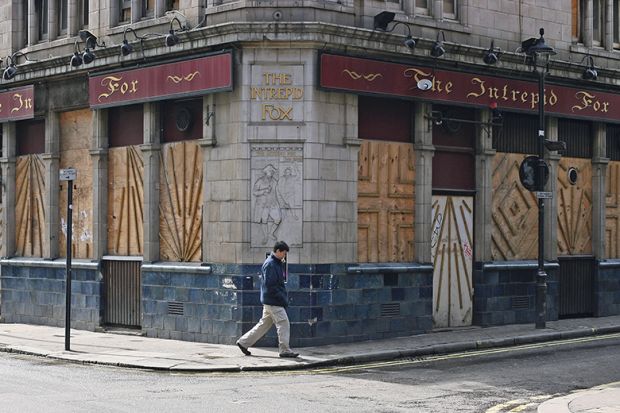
(17, 104)
(185, 78)
(352, 74)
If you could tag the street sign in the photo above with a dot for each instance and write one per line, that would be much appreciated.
(544, 195)
(69, 174)
(528, 172)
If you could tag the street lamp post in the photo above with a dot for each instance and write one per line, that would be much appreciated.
(539, 54)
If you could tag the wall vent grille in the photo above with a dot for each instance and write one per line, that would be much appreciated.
(175, 308)
(390, 310)
(520, 303)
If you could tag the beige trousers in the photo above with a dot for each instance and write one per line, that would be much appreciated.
(272, 314)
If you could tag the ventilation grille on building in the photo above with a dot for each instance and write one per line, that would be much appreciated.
(520, 303)
(175, 308)
(390, 310)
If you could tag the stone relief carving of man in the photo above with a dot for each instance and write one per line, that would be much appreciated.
(267, 209)
(286, 189)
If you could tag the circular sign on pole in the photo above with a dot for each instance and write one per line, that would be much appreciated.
(528, 171)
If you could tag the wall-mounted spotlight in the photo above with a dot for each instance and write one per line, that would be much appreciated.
(382, 20)
(91, 43)
(491, 56)
(438, 49)
(590, 72)
(76, 59)
(11, 68)
(127, 48)
(386, 17)
(171, 38)
(90, 39)
(10, 71)
(88, 56)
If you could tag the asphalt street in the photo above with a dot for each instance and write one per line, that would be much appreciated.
(492, 380)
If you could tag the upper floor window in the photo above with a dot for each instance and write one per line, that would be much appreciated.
(578, 11)
(172, 4)
(61, 8)
(450, 9)
(598, 22)
(616, 25)
(83, 13)
(421, 7)
(148, 8)
(124, 11)
(41, 16)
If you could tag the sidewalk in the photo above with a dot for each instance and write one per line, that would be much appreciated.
(151, 353)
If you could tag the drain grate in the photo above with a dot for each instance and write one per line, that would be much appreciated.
(390, 310)
(520, 303)
(175, 308)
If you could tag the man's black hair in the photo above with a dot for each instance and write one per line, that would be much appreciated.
(281, 246)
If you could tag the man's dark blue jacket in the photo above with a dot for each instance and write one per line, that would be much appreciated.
(272, 288)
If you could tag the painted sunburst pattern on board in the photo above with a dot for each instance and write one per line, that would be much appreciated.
(181, 202)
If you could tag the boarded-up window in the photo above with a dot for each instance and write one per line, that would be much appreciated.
(518, 134)
(454, 140)
(125, 126)
(385, 119)
(578, 137)
(30, 137)
(613, 142)
(182, 120)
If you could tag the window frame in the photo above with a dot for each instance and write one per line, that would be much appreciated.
(422, 11)
(450, 16)
(600, 19)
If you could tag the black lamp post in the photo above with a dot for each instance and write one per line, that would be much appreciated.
(539, 53)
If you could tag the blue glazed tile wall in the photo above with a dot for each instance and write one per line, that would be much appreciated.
(607, 292)
(325, 306)
(495, 291)
(36, 295)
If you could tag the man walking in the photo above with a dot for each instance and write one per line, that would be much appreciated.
(275, 300)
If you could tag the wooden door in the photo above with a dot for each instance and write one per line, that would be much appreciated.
(452, 256)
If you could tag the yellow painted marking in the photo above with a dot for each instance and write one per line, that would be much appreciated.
(467, 354)
(499, 407)
(523, 407)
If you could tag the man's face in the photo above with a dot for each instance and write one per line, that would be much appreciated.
(280, 254)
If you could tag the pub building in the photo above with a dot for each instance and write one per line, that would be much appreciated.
(384, 148)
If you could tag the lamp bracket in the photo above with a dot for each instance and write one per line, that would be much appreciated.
(436, 117)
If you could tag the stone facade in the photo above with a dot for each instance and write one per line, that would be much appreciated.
(280, 160)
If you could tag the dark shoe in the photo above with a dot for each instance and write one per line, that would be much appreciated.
(244, 350)
(289, 354)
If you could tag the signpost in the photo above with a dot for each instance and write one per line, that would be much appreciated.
(68, 175)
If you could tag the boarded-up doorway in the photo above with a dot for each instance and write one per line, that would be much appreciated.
(452, 257)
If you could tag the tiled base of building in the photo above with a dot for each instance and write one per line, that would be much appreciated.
(505, 293)
(328, 303)
(36, 295)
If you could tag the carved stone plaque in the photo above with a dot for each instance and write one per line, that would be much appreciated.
(277, 94)
(276, 194)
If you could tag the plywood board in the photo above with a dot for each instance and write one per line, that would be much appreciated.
(574, 207)
(452, 257)
(181, 202)
(386, 189)
(612, 211)
(125, 201)
(29, 206)
(514, 211)
(75, 136)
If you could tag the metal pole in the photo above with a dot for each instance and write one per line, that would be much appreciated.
(68, 283)
(541, 276)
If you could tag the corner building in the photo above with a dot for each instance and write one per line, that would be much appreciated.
(201, 132)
